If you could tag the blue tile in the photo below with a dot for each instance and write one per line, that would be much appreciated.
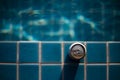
(8, 52)
(51, 72)
(7, 72)
(114, 51)
(73, 72)
(51, 52)
(28, 72)
(96, 72)
(114, 72)
(28, 52)
(96, 52)
(67, 58)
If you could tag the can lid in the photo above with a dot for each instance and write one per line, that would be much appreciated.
(77, 50)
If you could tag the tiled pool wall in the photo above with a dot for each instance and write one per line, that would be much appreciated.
(35, 60)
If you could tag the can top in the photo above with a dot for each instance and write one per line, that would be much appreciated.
(77, 50)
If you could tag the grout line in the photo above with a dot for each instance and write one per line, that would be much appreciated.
(113, 41)
(8, 63)
(92, 64)
(17, 61)
(85, 63)
(114, 64)
(51, 64)
(62, 60)
(62, 54)
(8, 41)
(96, 41)
(39, 56)
(107, 56)
(59, 41)
(89, 64)
(58, 63)
(28, 63)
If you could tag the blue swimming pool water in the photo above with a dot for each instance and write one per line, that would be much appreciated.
(59, 20)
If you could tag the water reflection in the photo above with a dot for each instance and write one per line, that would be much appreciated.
(68, 21)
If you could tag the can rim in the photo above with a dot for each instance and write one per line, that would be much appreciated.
(74, 44)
